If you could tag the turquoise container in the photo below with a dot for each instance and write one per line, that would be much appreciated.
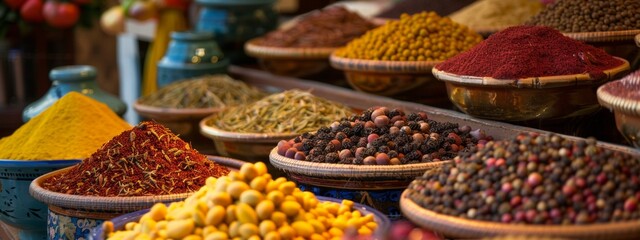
(77, 78)
(234, 22)
(190, 55)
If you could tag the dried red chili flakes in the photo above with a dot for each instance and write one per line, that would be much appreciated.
(146, 160)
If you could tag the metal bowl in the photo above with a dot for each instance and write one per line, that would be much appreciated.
(290, 61)
(18, 208)
(388, 78)
(542, 98)
(246, 146)
(625, 110)
(73, 216)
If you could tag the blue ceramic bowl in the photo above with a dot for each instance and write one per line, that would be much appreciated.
(383, 222)
(17, 207)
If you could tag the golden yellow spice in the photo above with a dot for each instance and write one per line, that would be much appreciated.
(72, 128)
(248, 205)
(423, 36)
(485, 14)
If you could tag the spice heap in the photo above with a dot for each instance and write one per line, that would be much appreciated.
(496, 13)
(381, 137)
(248, 205)
(210, 91)
(420, 37)
(291, 111)
(530, 51)
(330, 27)
(627, 87)
(66, 130)
(590, 16)
(147, 160)
(534, 179)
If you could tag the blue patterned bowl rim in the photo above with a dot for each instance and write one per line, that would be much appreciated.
(73, 73)
(382, 220)
(167, 64)
(6, 163)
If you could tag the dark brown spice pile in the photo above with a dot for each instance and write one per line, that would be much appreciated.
(590, 16)
(383, 136)
(144, 161)
(535, 179)
(330, 27)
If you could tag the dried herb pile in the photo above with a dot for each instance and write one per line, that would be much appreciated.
(146, 160)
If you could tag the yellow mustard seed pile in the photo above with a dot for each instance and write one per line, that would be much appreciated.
(423, 36)
(248, 204)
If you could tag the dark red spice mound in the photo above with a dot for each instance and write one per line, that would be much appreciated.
(146, 160)
(529, 51)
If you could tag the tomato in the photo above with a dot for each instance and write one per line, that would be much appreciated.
(15, 4)
(31, 11)
(61, 14)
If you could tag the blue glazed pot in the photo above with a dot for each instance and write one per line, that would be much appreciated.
(77, 78)
(17, 207)
(234, 22)
(190, 55)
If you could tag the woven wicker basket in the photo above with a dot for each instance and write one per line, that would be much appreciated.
(625, 110)
(609, 36)
(389, 78)
(290, 61)
(455, 227)
(116, 205)
(376, 186)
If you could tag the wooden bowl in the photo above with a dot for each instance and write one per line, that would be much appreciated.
(552, 97)
(456, 227)
(626, 110)
(246, 146)
(73, 216)
(290, 61)
(389, 78)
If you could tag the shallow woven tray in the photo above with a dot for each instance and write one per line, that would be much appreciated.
(109, 204)
(376, 66)
(332, 170)
(464, 228)
(611, 36)
(534, 82)
(172, 114)
(259, 51)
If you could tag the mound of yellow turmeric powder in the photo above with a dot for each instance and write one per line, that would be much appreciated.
(72, 128)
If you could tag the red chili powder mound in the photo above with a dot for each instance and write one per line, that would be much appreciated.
(146, 160)
(627, 87)
(529, 51)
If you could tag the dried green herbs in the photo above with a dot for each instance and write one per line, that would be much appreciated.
(210, 91)
(292, 111)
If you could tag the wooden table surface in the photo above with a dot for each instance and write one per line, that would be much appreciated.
(8, 232)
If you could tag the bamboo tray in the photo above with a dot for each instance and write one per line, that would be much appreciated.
(465, 228)
(609, 36)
